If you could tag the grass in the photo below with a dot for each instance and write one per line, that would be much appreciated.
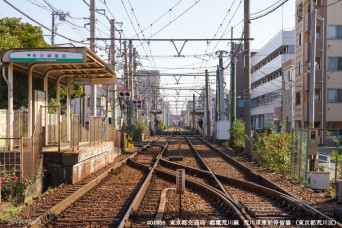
(10, 213)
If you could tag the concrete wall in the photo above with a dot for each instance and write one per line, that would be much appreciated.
(71, 167)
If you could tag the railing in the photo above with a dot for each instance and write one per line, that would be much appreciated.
(52, 126)
(11, 159)
(95, 130)
(75, 132)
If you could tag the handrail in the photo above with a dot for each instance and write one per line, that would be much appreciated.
(75, 132)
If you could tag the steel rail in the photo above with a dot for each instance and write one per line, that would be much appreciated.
(202, 186)
(294, 201)
(270, 186)
(62, 205)
(140, 195)
(218, 182)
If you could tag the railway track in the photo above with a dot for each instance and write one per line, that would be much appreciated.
(258, 203)
(140, 192)
(56, 212)
(105, 204)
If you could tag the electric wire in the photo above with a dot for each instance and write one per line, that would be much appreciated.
(43, 26)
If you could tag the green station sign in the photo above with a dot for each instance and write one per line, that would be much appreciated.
(47, 56)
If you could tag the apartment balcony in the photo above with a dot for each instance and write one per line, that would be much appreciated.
(283, 38)
(272, 66)
(266, 88)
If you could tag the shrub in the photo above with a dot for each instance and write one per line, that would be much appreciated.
(238, 134)
(273, 149)
(139, 128)
(13, 188)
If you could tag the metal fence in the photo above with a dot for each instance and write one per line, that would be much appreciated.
(10, 160)
(95, 131)
(329, 140)
(75, 132)
(298, 156)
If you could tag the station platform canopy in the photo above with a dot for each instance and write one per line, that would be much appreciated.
(73, 63)
(65, 65)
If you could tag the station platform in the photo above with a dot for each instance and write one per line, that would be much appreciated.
(69, 167)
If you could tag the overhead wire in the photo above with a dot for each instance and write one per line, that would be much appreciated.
(141, 32)
(43, 26)
(123, 4)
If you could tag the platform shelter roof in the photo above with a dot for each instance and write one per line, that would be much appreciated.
(77, 64)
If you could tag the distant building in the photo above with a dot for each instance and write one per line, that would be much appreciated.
(266, 79)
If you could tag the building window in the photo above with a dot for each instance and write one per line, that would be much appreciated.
(334, 95)
(299, 69)
(317, 95)
(334, 31)
(289, 75)
(300, 39)
(300, 12)
(334, 64)
(297, 98)
(241, 103)
(318, 63)
(318, 32)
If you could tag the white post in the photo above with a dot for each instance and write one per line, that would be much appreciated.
(68, 112)
(29, 96)
(10, 116)
(46, 90)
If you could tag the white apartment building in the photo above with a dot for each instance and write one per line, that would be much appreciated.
(266, 79)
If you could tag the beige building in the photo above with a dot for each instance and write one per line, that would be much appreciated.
(328, 66)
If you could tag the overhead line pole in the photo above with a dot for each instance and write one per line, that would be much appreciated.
(92, 47)
(207, 103)
(232, 86)
(312, 76)
(247, 81)
(112, 60)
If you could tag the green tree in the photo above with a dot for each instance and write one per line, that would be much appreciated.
(15, 34)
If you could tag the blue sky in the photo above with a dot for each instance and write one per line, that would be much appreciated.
(186, 19)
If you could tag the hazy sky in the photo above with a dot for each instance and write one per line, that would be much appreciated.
(162, 19)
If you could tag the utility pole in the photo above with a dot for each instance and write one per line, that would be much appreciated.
(130, 70)
(221, 85)
(217, 95)
(134, 81)
(312, 77)
(207, 102)
(312, 65)
(232, 84)
(53, 29)
(193, 113)
(92, 47)
(112, 61)
(232, 87)
(247, 79)
(130, 85)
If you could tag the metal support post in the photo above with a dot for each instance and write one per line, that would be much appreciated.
(193, 113)
(247, 79)
(232, 84)
(207, 102)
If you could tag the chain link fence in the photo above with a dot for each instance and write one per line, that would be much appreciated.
(298, 155)
(329, 144)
